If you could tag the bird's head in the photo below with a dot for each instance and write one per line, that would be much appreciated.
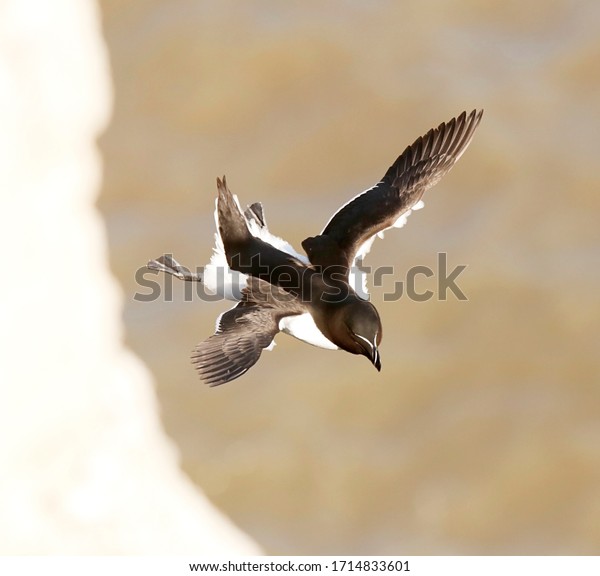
(359, 330)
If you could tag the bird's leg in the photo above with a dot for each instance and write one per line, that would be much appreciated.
(168, 264)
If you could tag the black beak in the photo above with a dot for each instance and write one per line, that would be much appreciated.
(376, 359)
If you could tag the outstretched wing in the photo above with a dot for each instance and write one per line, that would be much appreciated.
(352, 229)
(243, 333)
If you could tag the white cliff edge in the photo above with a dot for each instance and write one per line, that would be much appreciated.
(86, 467)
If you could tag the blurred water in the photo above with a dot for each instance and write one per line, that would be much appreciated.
(481, 433)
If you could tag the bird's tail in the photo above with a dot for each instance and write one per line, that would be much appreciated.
(255, 215)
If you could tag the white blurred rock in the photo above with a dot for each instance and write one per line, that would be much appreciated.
(85, 465)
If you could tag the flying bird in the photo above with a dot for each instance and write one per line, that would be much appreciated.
(312, 297)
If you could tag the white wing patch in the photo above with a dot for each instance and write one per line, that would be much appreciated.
(357, 276)
(279, 243)
(219, 278)
(403, 218)
(303, 327)
(355, 272)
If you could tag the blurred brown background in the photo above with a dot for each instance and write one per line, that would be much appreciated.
(481, 435)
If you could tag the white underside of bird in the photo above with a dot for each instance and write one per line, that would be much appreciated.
(219, 279)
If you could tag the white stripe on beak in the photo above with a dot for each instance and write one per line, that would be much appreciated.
(365, 340)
